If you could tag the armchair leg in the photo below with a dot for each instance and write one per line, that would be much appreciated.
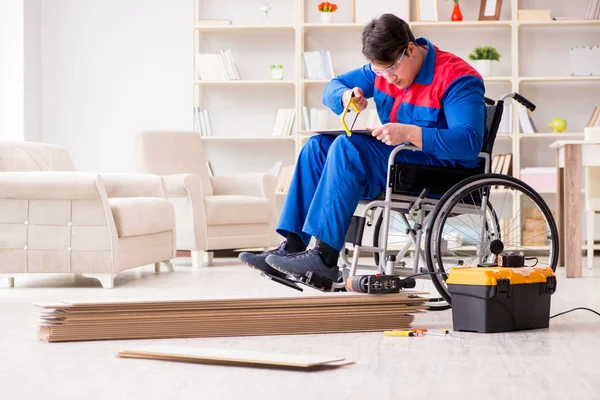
(201, 258)
(168, 263)
(590, 239)
(10, 282)
(107, 280)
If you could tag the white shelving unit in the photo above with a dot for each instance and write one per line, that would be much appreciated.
(535, 63)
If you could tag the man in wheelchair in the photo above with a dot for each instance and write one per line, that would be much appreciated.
(424, 96)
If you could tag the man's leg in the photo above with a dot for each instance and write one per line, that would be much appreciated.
(307, 174)
(356, 168)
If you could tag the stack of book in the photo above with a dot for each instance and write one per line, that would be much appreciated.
(284, 122)
(593, 10)
(318, 65)
(217, 67)
(202, 122)
(315, 118)
(67, 321)
(502, 164)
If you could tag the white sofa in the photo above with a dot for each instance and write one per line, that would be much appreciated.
(56, 220)
(212, 212)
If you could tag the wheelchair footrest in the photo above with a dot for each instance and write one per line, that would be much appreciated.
(285, 282)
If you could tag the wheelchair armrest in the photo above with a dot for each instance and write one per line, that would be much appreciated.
(405, 146)
(487, 167)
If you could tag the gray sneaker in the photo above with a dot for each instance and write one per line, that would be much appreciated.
(298, 264)
(258, 261)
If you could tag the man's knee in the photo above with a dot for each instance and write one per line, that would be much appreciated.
(317, 145)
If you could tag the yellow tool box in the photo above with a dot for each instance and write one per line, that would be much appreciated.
(500, 299)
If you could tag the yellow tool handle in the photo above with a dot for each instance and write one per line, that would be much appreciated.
(399, 333)
(352, 104)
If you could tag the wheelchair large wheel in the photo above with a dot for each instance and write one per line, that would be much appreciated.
(462, 233)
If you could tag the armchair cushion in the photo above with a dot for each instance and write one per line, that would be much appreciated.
(142, 215)
(258, 185)
(226, 210)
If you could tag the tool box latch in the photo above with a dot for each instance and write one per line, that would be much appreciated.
(550, 284)
(502, 287)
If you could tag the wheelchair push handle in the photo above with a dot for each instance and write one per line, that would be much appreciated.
(521, 99)
(524, 101)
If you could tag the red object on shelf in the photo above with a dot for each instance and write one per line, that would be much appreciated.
(456, 13)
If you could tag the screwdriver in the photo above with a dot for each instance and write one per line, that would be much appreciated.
(399, 333)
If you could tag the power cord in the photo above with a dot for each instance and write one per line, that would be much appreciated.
(575, 309)
(532, 258)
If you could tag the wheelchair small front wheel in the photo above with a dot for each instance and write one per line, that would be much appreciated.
(483, 214)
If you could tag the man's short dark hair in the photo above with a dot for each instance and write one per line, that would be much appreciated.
(385, 37)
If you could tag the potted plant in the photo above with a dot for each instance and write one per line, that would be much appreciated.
(326, 10)
(483, 59)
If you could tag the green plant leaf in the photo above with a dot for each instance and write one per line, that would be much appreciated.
(484, 53)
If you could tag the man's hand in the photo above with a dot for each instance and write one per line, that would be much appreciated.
(359, 98)
(395, 133)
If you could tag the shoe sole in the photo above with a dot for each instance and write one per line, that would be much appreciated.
(262, 270)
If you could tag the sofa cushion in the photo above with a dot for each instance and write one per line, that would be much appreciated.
(142, 215)
(233, 209)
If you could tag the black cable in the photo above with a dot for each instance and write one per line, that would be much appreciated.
(575, 309)
(426, 273)
(532, 258)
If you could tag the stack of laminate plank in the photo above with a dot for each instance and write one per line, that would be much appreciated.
(117, 320)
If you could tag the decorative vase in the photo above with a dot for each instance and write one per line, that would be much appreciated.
(326, 17)
(484, 67)
(456, 14)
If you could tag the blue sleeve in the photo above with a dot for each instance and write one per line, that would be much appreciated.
(463, 104)
(363, 78)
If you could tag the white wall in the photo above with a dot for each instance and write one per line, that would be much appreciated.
(111, 68)
(11, 70)
(32, 52)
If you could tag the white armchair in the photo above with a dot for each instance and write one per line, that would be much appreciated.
(56, 220)
(211, 213)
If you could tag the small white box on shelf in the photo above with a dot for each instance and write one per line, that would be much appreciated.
(585, 60)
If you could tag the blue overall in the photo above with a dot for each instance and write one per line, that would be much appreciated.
(333, 173)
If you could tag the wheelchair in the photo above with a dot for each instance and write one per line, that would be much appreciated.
(439, 218)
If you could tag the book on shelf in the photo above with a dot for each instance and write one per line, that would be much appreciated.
(209, 168)
(594, 119)
(284, 178)
(501, 164)
(315, 118)
(593, 10)
(284, 122)
(506, 121)
(202, 122)
(217, 67)
(527, 125)
(318, 65)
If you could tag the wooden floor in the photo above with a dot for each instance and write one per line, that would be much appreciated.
(556, 363)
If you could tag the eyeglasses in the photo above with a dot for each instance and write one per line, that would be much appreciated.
(391, 67)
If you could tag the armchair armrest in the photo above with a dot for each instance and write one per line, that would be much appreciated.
(134, 185)
(51, 185)
(185, 192)
(257, 185)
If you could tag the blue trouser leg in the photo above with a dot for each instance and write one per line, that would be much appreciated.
(330, 179)
(303, 186)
